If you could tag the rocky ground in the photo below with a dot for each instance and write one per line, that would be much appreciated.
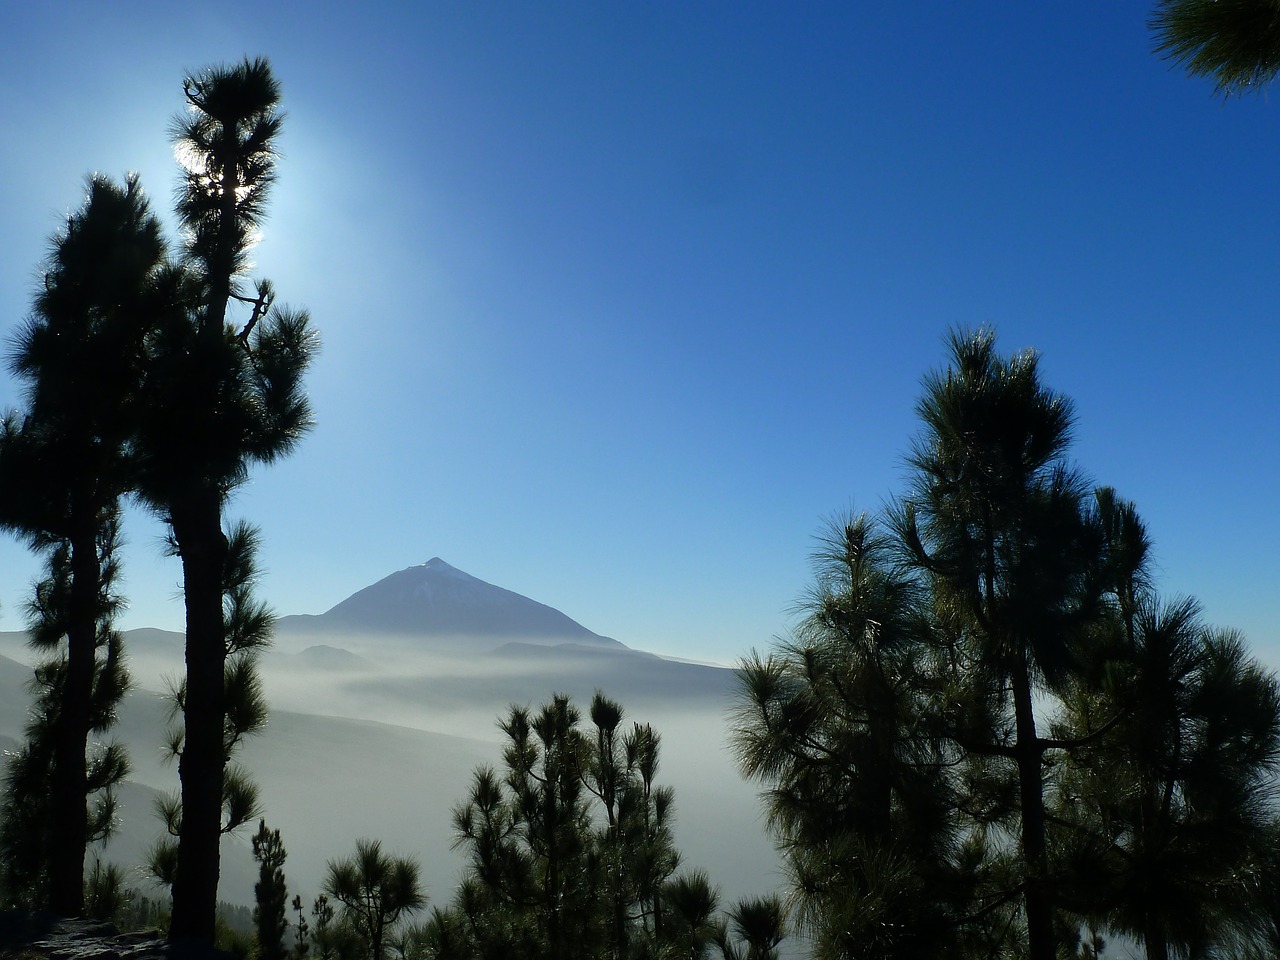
(31, 936)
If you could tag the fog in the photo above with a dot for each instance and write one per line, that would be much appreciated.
(375, 738)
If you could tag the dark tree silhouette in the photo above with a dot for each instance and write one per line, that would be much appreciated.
(996, 523)
(301, 945)
(635, 847)
(270, 894)
(570, 849)
(247, 625)
(989, 709)
(533, 881)
(375, 891)
(325, 937)
(217, 398)
(759, 925)
(30, 827)
(1168, 814)
(692, 926)
(836, 725)
(64, 466)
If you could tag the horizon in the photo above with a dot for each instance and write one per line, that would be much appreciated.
(618, 304)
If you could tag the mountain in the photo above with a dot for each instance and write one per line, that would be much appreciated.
(439, 602)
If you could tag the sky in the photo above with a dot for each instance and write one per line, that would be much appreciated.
(619, 302)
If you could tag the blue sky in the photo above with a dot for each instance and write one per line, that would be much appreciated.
(619, 301)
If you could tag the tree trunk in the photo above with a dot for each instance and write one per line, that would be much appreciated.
(1037, 899)
(197, 528)
(68, 799)
(553, 893)
(376, 923)
(882, 733)
(1152, 828)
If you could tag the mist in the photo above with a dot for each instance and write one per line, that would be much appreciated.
(380, 738)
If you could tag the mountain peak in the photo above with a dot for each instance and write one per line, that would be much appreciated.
(440, 568)
(437, 600)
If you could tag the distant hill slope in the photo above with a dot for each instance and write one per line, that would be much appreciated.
(436, 601)
(387, 749)
(382, 708)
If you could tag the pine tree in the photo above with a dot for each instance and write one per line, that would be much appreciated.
(217, 398)
(270, 895)
(301, 945)
(989, 737)
(30, 824)
(248, 624)
(691, 909)
(758, 923)
(534, 876)
(570, 849)
(1167, 812)
(996, 524)
(839, 726)
(324, 936)
(375, 891)
(64, 465)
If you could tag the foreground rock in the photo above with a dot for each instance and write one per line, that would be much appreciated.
(42, 934)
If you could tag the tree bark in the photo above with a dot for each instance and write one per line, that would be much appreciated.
(882, 734)
(197, 528)
(68, 801)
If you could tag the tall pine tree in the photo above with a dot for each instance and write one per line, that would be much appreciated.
(219, 396)
(65, 463)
